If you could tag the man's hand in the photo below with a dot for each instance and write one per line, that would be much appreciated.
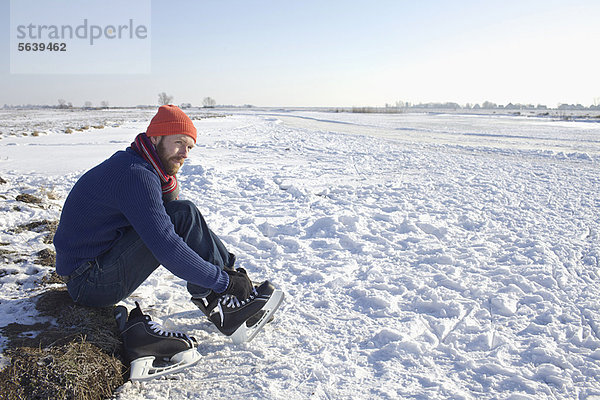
(240, 285)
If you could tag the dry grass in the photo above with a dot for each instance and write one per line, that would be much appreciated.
(77, 357)
(78, 370)
(46, 257)
(49, 193)
(28, 198)
(97, 325)
(51, 279)
(39, 226)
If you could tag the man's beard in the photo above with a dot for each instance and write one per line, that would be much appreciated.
(171, 165)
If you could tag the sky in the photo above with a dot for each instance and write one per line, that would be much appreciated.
(335, 54)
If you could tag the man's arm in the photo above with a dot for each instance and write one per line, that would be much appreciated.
(140, 200)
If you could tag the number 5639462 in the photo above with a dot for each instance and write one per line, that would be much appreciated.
(50, 46)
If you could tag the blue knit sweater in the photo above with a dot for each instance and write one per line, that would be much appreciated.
(124, 191)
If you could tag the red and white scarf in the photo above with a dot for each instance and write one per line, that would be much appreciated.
(144, 147)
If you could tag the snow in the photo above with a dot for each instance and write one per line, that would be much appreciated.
(423, 255)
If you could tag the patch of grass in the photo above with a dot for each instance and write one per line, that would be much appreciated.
(37, 226)
(48, 239)
(4, 252)
(78, 370)
(46, 257)
(51, 279)
(49, 193)
(77, 357)
(96, 324)
(28, 198)
(4, 272)
(21, 335)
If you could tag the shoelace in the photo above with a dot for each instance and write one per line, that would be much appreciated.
(231, 301)
(159, 330)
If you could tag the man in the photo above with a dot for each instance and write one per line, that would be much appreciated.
(122, 220)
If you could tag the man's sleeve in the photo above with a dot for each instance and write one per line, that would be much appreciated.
(140, 200)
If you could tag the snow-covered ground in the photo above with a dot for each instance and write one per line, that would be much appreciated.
(426, 256)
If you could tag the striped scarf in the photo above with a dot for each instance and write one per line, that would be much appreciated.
(144, 147)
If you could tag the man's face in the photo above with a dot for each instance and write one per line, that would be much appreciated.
(172, 151)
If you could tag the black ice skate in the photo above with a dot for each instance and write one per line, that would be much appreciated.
(151, 350)
(241, 320)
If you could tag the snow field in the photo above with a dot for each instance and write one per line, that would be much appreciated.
(412, 269)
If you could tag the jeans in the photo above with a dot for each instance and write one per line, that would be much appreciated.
(115, 274)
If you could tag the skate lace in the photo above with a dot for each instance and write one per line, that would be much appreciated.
(159, 330)
(231, 301)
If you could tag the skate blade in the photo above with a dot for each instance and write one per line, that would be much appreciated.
(143, 369)
(246, 333)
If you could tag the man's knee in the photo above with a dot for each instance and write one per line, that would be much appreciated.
(181, 207)
(185, 217)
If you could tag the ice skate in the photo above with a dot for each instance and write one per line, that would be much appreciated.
(241, 320)
(152, 351)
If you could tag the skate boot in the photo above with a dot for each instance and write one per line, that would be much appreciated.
(241, 319)
(151, 350)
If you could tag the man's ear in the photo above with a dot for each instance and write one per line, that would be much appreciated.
(155, 140)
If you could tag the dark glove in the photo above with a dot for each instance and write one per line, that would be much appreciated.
(240, 285)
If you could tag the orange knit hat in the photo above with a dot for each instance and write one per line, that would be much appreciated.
(170, 120)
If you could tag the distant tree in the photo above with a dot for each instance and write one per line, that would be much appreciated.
(185, 105)
(571, 107)
(87, 104)
(489, 104)
(450, 104)
(62, 103)
(164, 98)
(209, 102)
(104, 104)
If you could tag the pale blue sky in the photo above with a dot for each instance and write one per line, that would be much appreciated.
(345, 53)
